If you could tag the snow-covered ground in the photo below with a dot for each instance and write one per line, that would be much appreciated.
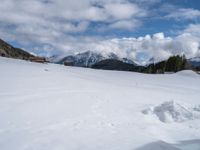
(53, 107)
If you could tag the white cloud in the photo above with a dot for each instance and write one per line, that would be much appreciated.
(184, 13)
(124, 11)
(193, 29)
(125, 24)
(159, 36)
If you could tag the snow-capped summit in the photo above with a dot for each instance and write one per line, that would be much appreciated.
(85, 59)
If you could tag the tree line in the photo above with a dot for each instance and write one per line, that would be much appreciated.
(173, 64)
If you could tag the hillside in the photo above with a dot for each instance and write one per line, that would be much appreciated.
(53, 107)
(6, 50)
(113, 64)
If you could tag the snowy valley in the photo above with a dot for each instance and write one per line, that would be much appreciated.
(54, 107)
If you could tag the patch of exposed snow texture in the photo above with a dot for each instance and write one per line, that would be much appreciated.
(174, 112)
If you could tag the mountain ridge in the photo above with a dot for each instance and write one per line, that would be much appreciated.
(7, 50)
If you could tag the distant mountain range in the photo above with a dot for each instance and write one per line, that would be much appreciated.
(112, 62)
(89, 58)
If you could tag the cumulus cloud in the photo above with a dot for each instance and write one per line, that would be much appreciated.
(124, 11)
(193, 29)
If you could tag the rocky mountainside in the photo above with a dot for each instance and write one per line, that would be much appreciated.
(6, 50)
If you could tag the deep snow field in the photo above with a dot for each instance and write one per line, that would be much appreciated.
(53, 107)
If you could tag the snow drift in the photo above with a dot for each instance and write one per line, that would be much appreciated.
(174, 112)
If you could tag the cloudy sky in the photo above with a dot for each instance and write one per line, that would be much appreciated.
(137, 29)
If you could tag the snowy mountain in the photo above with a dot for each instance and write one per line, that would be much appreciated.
(195, 62)
(89, 58)
(53, 107)
(85, 59)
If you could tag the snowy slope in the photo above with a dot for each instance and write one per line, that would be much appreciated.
(52, 107)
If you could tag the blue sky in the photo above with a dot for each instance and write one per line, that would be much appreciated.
(157, 28)
(155, 22)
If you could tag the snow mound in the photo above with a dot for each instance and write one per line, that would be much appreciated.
(187, 73)
(174, 112)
